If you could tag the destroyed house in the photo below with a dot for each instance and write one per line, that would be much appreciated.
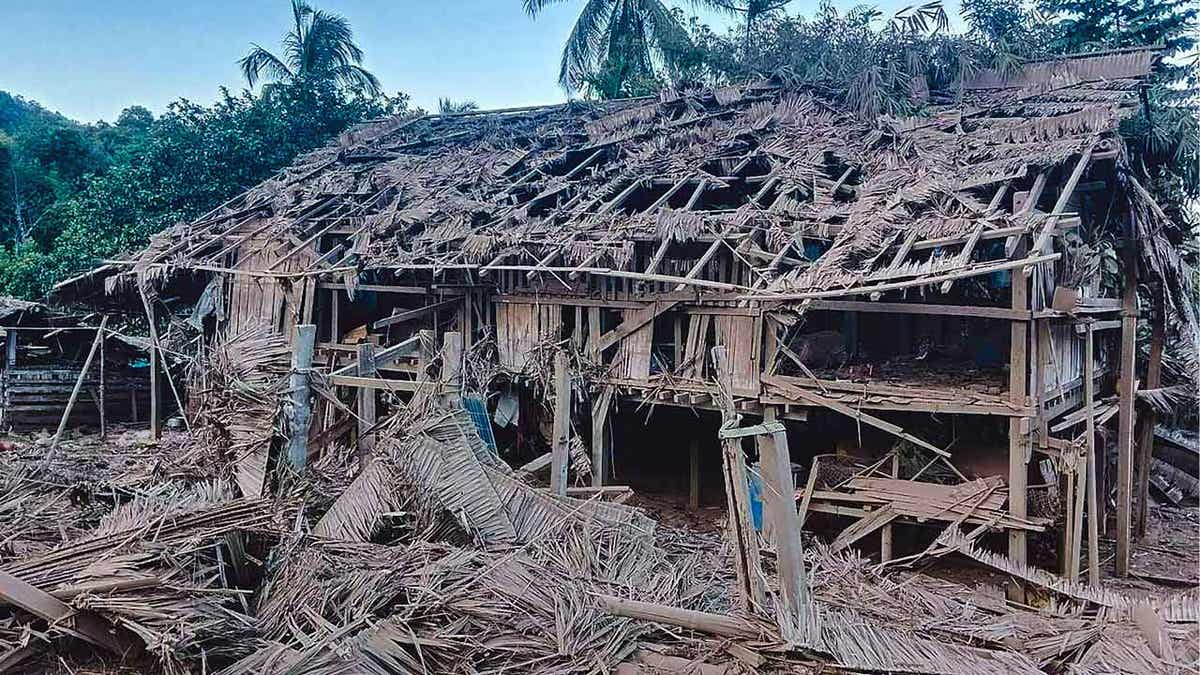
(919, 302)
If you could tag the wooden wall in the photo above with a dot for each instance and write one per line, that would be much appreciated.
(34, 397)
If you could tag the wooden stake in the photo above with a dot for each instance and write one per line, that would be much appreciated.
(103, 412)
(299, 385)
(87, 364)
(1126, 415)
(560, 459)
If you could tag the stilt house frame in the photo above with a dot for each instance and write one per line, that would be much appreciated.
(640, 234)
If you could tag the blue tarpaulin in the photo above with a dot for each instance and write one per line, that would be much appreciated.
(479, 415)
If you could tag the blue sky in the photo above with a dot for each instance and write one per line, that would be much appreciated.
(89, 60)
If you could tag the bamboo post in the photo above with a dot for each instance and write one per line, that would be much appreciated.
(600, 408)
(560, 459)
(300, 388)
(1089, 394)
(87, 364)
(1126, 414)
(366, 404)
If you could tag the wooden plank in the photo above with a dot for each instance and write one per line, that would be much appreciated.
(1126, 414)
(875, 520)
(560, 448)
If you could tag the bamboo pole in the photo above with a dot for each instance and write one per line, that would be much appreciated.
(1089, 386)
(87, 363)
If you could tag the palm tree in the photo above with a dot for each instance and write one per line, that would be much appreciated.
(617, 45)
(320, 47)
(448, 106)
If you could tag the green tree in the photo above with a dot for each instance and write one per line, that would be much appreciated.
(618, 48)
(319, 47)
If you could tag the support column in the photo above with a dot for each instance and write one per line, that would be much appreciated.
(600, 468)
(452, 351)
(101, 389)
(299, 387)
(1018, 427)
(780, 493)
(560, 458)
(366, 404)
(1089, 394)
(887, 533)
(1145, 447)
(155, 419)
(1126, 415)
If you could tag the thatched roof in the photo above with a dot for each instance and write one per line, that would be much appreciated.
(763, 165)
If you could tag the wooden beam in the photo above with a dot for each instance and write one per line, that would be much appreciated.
(560, 448)
(1064, 198)
(836, 406)
(704, 259)
(633, 323)
(374, 383)
(417, 313)
(84, 625)
(87, 364)
(452, 365)
(1126, 415)
(300, 386)
(920, 308)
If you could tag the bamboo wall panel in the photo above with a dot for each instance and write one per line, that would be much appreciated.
(521, 327)
(632, 361)
(739, 336)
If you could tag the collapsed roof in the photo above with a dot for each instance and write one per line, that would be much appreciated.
(761, 166)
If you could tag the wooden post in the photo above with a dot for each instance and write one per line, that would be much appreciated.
(452, 350)
(1018, 427)
(87, 364)
(751, 593)
(334, 334)
(366, 404)
(886, 535)
(11, 352)
(600, 408)
(299, 386)
(1146, 429)
(1089, 394)
(1126, 415)
(694, 475)
(560, 459)
(103, 413)
(780, 492)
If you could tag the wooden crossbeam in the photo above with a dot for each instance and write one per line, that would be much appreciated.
(633, 323)
(1064, 197)
(903, 252)
(816, 399)
(964, 256)
(704, 259)
(659, 254)
(374, 383)
(414, 313)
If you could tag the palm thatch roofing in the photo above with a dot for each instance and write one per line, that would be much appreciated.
(765, 166)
